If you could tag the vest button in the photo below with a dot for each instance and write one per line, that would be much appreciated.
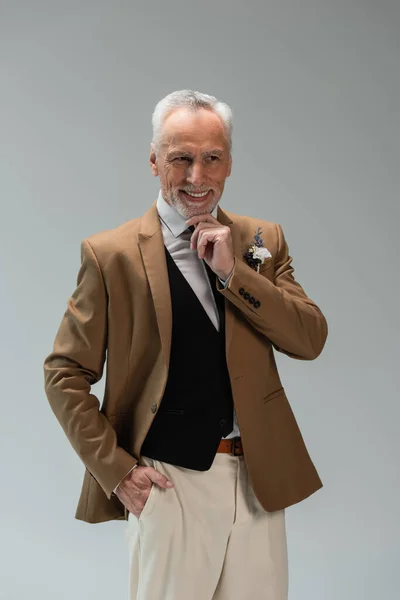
(153, 407)
(241, 291)
(222, 422)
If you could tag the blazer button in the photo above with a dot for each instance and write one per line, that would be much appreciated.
(153, 407)
(246, 296)
(222, 422)
(241, 291)
(252, 299)
(257, 303)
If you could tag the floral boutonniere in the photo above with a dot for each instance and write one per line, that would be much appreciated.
(256, 253)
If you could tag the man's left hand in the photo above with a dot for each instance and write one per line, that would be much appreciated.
(213, 243)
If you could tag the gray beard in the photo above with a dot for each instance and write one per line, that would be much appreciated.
(187, 210)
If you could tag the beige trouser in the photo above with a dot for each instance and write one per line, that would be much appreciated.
(208, 538)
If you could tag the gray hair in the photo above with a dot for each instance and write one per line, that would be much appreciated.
(194, 101)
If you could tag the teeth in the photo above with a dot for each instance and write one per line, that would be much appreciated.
(197, 195)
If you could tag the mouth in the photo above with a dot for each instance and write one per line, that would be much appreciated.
(197, 197)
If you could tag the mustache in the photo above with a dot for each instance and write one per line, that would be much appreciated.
(191, 190)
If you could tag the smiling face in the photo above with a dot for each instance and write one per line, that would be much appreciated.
(193, 161)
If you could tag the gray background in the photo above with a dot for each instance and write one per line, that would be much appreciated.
(314, 86)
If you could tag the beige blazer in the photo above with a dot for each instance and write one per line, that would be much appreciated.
(121, 310)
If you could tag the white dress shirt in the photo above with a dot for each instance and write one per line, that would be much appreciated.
(177, 241)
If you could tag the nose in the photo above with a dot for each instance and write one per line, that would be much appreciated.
(195, 174)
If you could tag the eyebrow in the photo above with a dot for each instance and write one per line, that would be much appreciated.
(176, 153)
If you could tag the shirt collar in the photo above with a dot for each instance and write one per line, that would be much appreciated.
(172, 219)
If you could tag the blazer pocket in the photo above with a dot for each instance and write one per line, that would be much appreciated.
(171, 411)
(116, 417)
(279, 392)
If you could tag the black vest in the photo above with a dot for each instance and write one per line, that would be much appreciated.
(196, 409)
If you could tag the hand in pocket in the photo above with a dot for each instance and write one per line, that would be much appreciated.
(135, 488)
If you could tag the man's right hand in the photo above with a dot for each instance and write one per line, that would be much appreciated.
(134, 489)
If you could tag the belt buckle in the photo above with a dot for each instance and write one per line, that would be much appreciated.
(234, 442)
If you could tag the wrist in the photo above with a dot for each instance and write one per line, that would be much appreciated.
(224, 275)
(115, 490)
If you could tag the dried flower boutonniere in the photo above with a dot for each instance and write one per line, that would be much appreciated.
(256, 253)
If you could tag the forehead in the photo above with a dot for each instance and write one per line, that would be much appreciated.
(193, 130)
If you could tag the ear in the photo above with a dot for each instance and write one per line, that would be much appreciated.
(153, 160)
(229, 166)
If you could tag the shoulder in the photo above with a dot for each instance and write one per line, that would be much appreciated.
(116, 234)
(112, 242)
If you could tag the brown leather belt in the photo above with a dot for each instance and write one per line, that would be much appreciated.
(231, 446)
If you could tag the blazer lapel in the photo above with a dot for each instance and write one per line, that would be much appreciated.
(151, 243)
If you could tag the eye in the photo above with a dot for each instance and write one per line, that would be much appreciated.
(182, 159)
(213, 158)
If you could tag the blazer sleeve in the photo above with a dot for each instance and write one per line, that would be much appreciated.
(75, 364)
(279, 309)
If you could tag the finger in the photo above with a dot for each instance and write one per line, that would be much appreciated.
(206, 218)
(159, 479)
(195, 236)
(199, 228)
(205, 237)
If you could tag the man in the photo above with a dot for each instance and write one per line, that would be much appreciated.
(195, 444)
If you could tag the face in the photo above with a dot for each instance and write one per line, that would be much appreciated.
(192, 162)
